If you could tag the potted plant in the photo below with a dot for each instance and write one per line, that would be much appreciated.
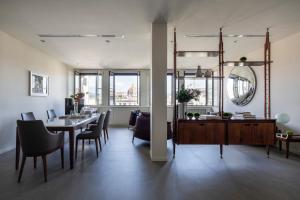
(196, 115)
(76, 97)
(227, 115)
(190, 115)
(184, 96)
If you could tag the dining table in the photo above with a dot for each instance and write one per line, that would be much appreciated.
(66, 124)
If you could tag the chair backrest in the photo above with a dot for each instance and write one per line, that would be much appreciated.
(33, 136)
(27, 116)
(106, 120)
(100, 124)
(51, 114)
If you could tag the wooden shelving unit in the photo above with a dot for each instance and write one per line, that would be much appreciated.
(267, 77)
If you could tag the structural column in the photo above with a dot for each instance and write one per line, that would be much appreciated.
(158, 150)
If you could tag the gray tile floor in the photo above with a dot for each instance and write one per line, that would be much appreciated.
(125, 171)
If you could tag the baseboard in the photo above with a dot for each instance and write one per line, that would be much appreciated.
(9, 148)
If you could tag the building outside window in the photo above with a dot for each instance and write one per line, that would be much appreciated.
(124, 89)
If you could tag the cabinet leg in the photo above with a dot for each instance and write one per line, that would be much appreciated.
(174, 148)
(268, 150)
(221, 150)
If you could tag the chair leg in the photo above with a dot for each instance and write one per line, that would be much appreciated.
(45, 167)
(34, 162)
(106, 131)
(132, 138)
(96, 143)
(104, 136)
(76, 146)
(62, 156)
(89, 141)
(22, 167)
(99, 143)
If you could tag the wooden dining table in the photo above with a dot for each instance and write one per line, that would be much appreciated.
(66, 124)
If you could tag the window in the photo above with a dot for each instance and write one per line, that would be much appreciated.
(169, 89)
(206, 87)
(91, 86)
(124, 89)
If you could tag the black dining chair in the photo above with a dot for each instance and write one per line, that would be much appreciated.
(105, 125)
(51, 114)
(36, 141)
(93, 133)
(27, 117)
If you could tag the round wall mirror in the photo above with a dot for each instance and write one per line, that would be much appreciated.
(241, 85)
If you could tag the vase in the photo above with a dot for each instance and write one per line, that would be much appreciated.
(75, 107)
(182, 110)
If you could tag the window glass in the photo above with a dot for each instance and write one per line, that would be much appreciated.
(91, 86)
(196, 83)
(169, 89)
(124, 89)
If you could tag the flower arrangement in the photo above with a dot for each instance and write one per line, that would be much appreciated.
(185, 95)
(77, 96)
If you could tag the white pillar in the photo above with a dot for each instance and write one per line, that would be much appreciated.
(158, 150)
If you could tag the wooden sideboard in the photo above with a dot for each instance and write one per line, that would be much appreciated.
(240, 132)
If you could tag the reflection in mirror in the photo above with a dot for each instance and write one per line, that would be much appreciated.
(241, 85)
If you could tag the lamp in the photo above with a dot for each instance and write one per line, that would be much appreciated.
(283, 118)
(199, 73)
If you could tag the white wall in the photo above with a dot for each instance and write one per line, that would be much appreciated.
(285, 83)
(16, 60)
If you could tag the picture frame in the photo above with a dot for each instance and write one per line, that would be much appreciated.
(39, 85)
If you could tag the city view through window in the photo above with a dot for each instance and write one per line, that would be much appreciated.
(124, 90)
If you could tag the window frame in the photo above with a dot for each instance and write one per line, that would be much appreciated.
(206, 86)
(97, 74)
(114, 74)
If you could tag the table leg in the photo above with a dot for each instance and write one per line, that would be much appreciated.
(287, 149)
(280, 145)
(17, 149)
(71, 146)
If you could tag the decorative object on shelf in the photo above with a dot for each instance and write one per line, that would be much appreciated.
(184, 96)
(77, 97)
(190, 115)
(227, 115)
(39, 84)
(196, 115)
(241, 85)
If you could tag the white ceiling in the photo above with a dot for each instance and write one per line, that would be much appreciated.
(133, 18)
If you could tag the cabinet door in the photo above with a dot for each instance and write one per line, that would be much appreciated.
(239, 133)
(215, 133)
(263, 133)
(192, 133)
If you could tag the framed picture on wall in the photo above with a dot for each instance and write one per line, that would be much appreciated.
(39, 84)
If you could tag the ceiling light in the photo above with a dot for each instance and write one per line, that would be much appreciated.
(201, 54)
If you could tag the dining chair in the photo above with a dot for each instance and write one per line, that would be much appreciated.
(26, 117)
(94, 133)
(51, 114)
(105, 125)
(36, 141)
